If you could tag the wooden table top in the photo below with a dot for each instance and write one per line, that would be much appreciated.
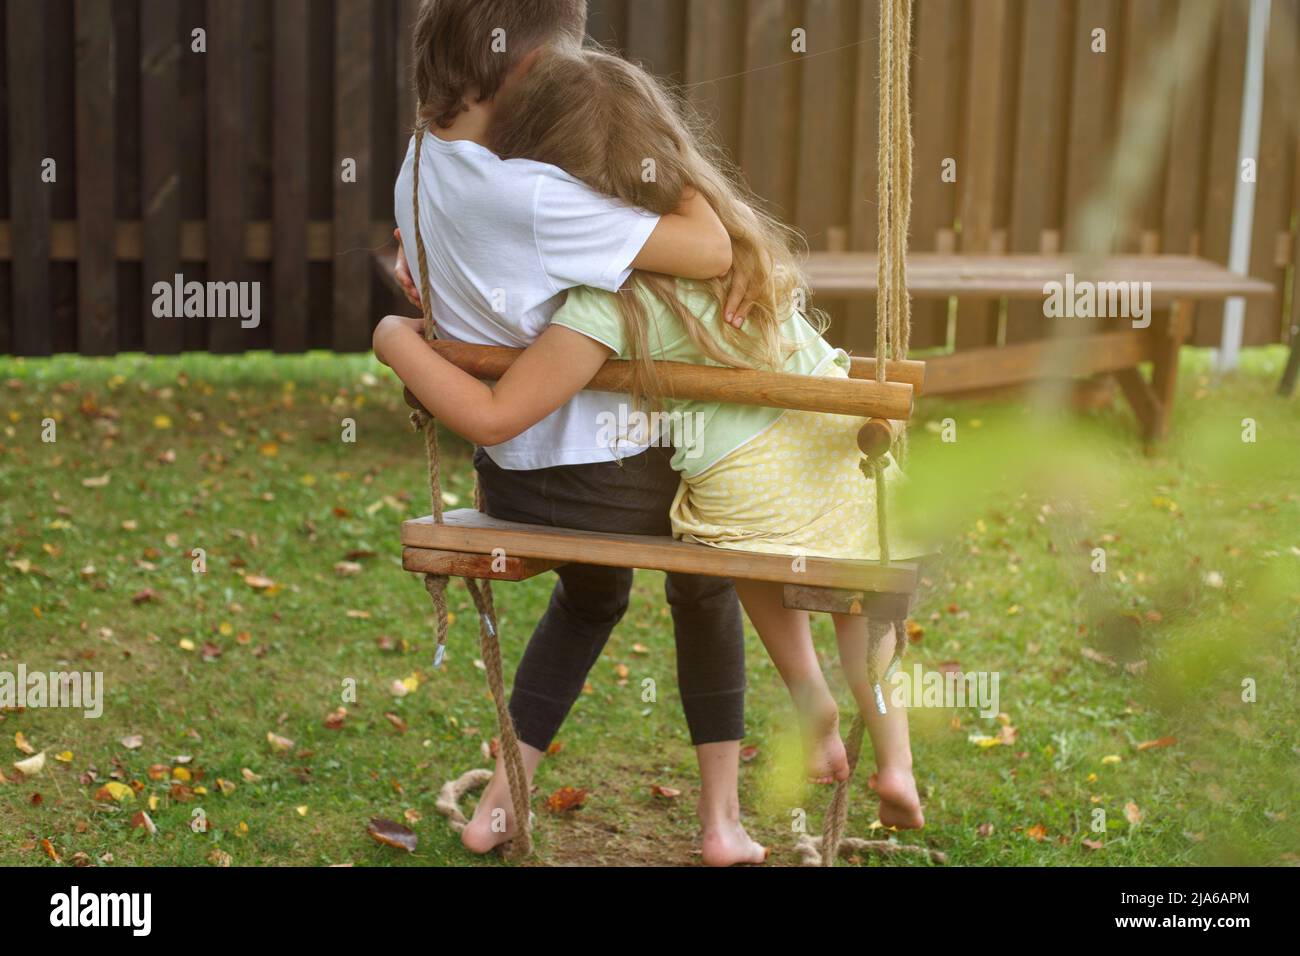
(1023, 276)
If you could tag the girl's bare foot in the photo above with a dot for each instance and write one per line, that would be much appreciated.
(900, 804)
(493, 822)
(726, 843)
(823, 747)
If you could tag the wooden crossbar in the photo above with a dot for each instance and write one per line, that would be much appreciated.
(860, 396)
(472, 532)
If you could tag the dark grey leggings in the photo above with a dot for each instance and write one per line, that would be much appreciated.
(631, 497)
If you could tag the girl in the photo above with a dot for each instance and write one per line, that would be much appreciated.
(753, 479)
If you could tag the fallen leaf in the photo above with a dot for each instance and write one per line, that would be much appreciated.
(1037, 832)
(132, 742)
(346, 569)
(396, 721)
(334, 719)
(392, 834)
(142, 821)
(748, 753)
(1093, 844)
(31, 766)
(258, 582)
(1158, 742)
(278, 744)
(52, 853)
(1131, 813)
(666, 792)
(100, 481)
(114, 792)
(565, 799)
(20, 741)
(219, 857)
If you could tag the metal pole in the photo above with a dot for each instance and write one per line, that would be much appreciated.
(1243, 201)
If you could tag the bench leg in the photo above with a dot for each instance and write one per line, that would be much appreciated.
(1153, 402)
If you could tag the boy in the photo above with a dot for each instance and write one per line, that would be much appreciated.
(504, 243)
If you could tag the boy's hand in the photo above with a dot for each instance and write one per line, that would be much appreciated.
(402, 273)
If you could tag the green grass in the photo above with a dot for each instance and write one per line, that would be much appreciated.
(1201, 591)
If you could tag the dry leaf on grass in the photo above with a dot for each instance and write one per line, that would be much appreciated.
(31, 766)
(566, 799)
(392, 834)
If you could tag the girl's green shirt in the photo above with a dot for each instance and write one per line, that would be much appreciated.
(702, 433)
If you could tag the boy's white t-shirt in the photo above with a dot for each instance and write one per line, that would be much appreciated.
(505, 240)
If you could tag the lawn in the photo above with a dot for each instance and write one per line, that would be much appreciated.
(1147, 711)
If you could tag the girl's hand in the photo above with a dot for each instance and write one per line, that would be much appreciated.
(739, 301)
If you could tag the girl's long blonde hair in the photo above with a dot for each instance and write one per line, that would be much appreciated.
(610, 124)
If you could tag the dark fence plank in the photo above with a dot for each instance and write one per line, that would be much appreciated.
(715, 64)
(354, 43)
(656, 36)
(1095, 85)
(226, 159)
(985, 154)
(1186, 161)
(771, 103)
(1042, 111)
(1276, 160)
(289, 170)
(160, 54)
(405, 77)
(936, 115)
(6, 268)
(824, 183)
(1221, 158)
(33, 325)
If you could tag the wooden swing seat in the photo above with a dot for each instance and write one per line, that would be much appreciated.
(463, 544)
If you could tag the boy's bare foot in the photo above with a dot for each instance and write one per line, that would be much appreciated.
(900, 804)
(488, 828)
(823, 746)
(726, 843)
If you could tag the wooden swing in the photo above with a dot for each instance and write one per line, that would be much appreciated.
(469, 544)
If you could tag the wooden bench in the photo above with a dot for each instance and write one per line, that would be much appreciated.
(1177, 284)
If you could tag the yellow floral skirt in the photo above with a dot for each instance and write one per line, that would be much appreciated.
(794, 489)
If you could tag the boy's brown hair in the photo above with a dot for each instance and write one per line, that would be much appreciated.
(458, 51)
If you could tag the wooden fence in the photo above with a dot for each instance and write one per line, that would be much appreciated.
(128, 155)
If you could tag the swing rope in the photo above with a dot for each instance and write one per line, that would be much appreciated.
(893, 332)
(480, 591)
